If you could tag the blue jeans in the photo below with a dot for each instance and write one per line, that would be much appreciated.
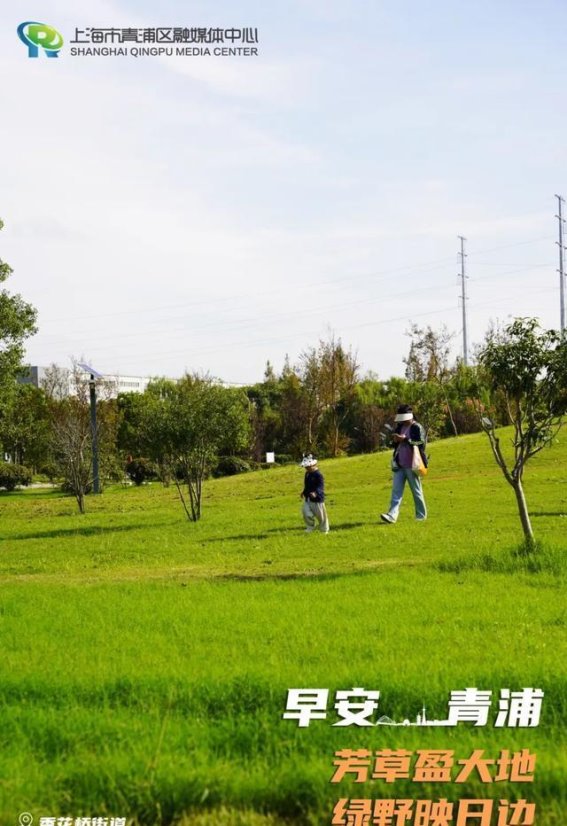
(402, 475)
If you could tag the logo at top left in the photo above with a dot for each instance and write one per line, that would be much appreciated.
(39, 36)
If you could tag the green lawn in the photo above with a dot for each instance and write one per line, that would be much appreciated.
(146, 659)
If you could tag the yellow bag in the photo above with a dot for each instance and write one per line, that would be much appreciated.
(417, 463)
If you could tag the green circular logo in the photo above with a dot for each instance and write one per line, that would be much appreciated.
(38, 36)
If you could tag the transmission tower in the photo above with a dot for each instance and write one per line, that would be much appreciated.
(464, 299)
(561, 271)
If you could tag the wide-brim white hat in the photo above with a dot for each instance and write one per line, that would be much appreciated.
(403, 417)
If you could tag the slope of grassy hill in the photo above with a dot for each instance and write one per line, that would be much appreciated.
(251, 524)
(145, 660)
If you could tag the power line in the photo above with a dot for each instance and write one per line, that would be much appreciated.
(249, 322)
(255, 342)
(229, 300)
(252, 322)
(509, 246)
(494, 276)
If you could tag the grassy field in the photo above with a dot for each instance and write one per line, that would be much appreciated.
(145, 660)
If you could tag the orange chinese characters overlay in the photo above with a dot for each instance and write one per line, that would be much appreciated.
(432, 766)
(469, 812)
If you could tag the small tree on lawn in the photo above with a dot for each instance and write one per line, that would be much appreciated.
(72, 445)
(528, 367)
(68, 405)
(192, 423)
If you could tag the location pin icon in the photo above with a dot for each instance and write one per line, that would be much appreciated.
(25, 819)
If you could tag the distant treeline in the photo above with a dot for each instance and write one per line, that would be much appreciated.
(321, 404)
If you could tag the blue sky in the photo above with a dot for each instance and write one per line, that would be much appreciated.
(210, 213)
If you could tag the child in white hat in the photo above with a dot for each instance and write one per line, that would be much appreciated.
(313, 495)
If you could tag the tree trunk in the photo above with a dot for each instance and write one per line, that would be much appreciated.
(192, 499)
(336, 435)
(182, 498)
(451, 419)
(524, 515)
(309, 432)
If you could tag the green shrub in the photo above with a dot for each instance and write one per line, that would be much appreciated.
(50, 471)
(13, 475)
(141, 470)
(286, 459)
(112, 470)
(230, 466)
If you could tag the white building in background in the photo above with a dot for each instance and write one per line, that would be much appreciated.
(129, 384)
(114, 383)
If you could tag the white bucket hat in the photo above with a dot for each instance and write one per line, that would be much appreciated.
(308, 461)
(403, 417)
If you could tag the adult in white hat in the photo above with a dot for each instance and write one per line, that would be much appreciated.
(313, 495)
(407, 435)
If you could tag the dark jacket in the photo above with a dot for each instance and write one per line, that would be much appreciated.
(416, 437)
(314, 483)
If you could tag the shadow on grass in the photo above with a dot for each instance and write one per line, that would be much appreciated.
(345, 526)
(235, 538)
(92, 530)
(548, 513)
(319, 576)
(35, 493)
(348, 526)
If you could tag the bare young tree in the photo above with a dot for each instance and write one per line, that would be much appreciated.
(67, 391)
(72, 445)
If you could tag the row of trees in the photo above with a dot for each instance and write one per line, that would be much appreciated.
(323, 404)
(320, 405)
(180, 431)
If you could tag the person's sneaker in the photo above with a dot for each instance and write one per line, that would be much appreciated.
(385, 517)
(420, 518)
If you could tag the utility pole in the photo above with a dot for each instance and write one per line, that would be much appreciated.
(94, 375)
(561, 271)
(94, 434)
(464, 300)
